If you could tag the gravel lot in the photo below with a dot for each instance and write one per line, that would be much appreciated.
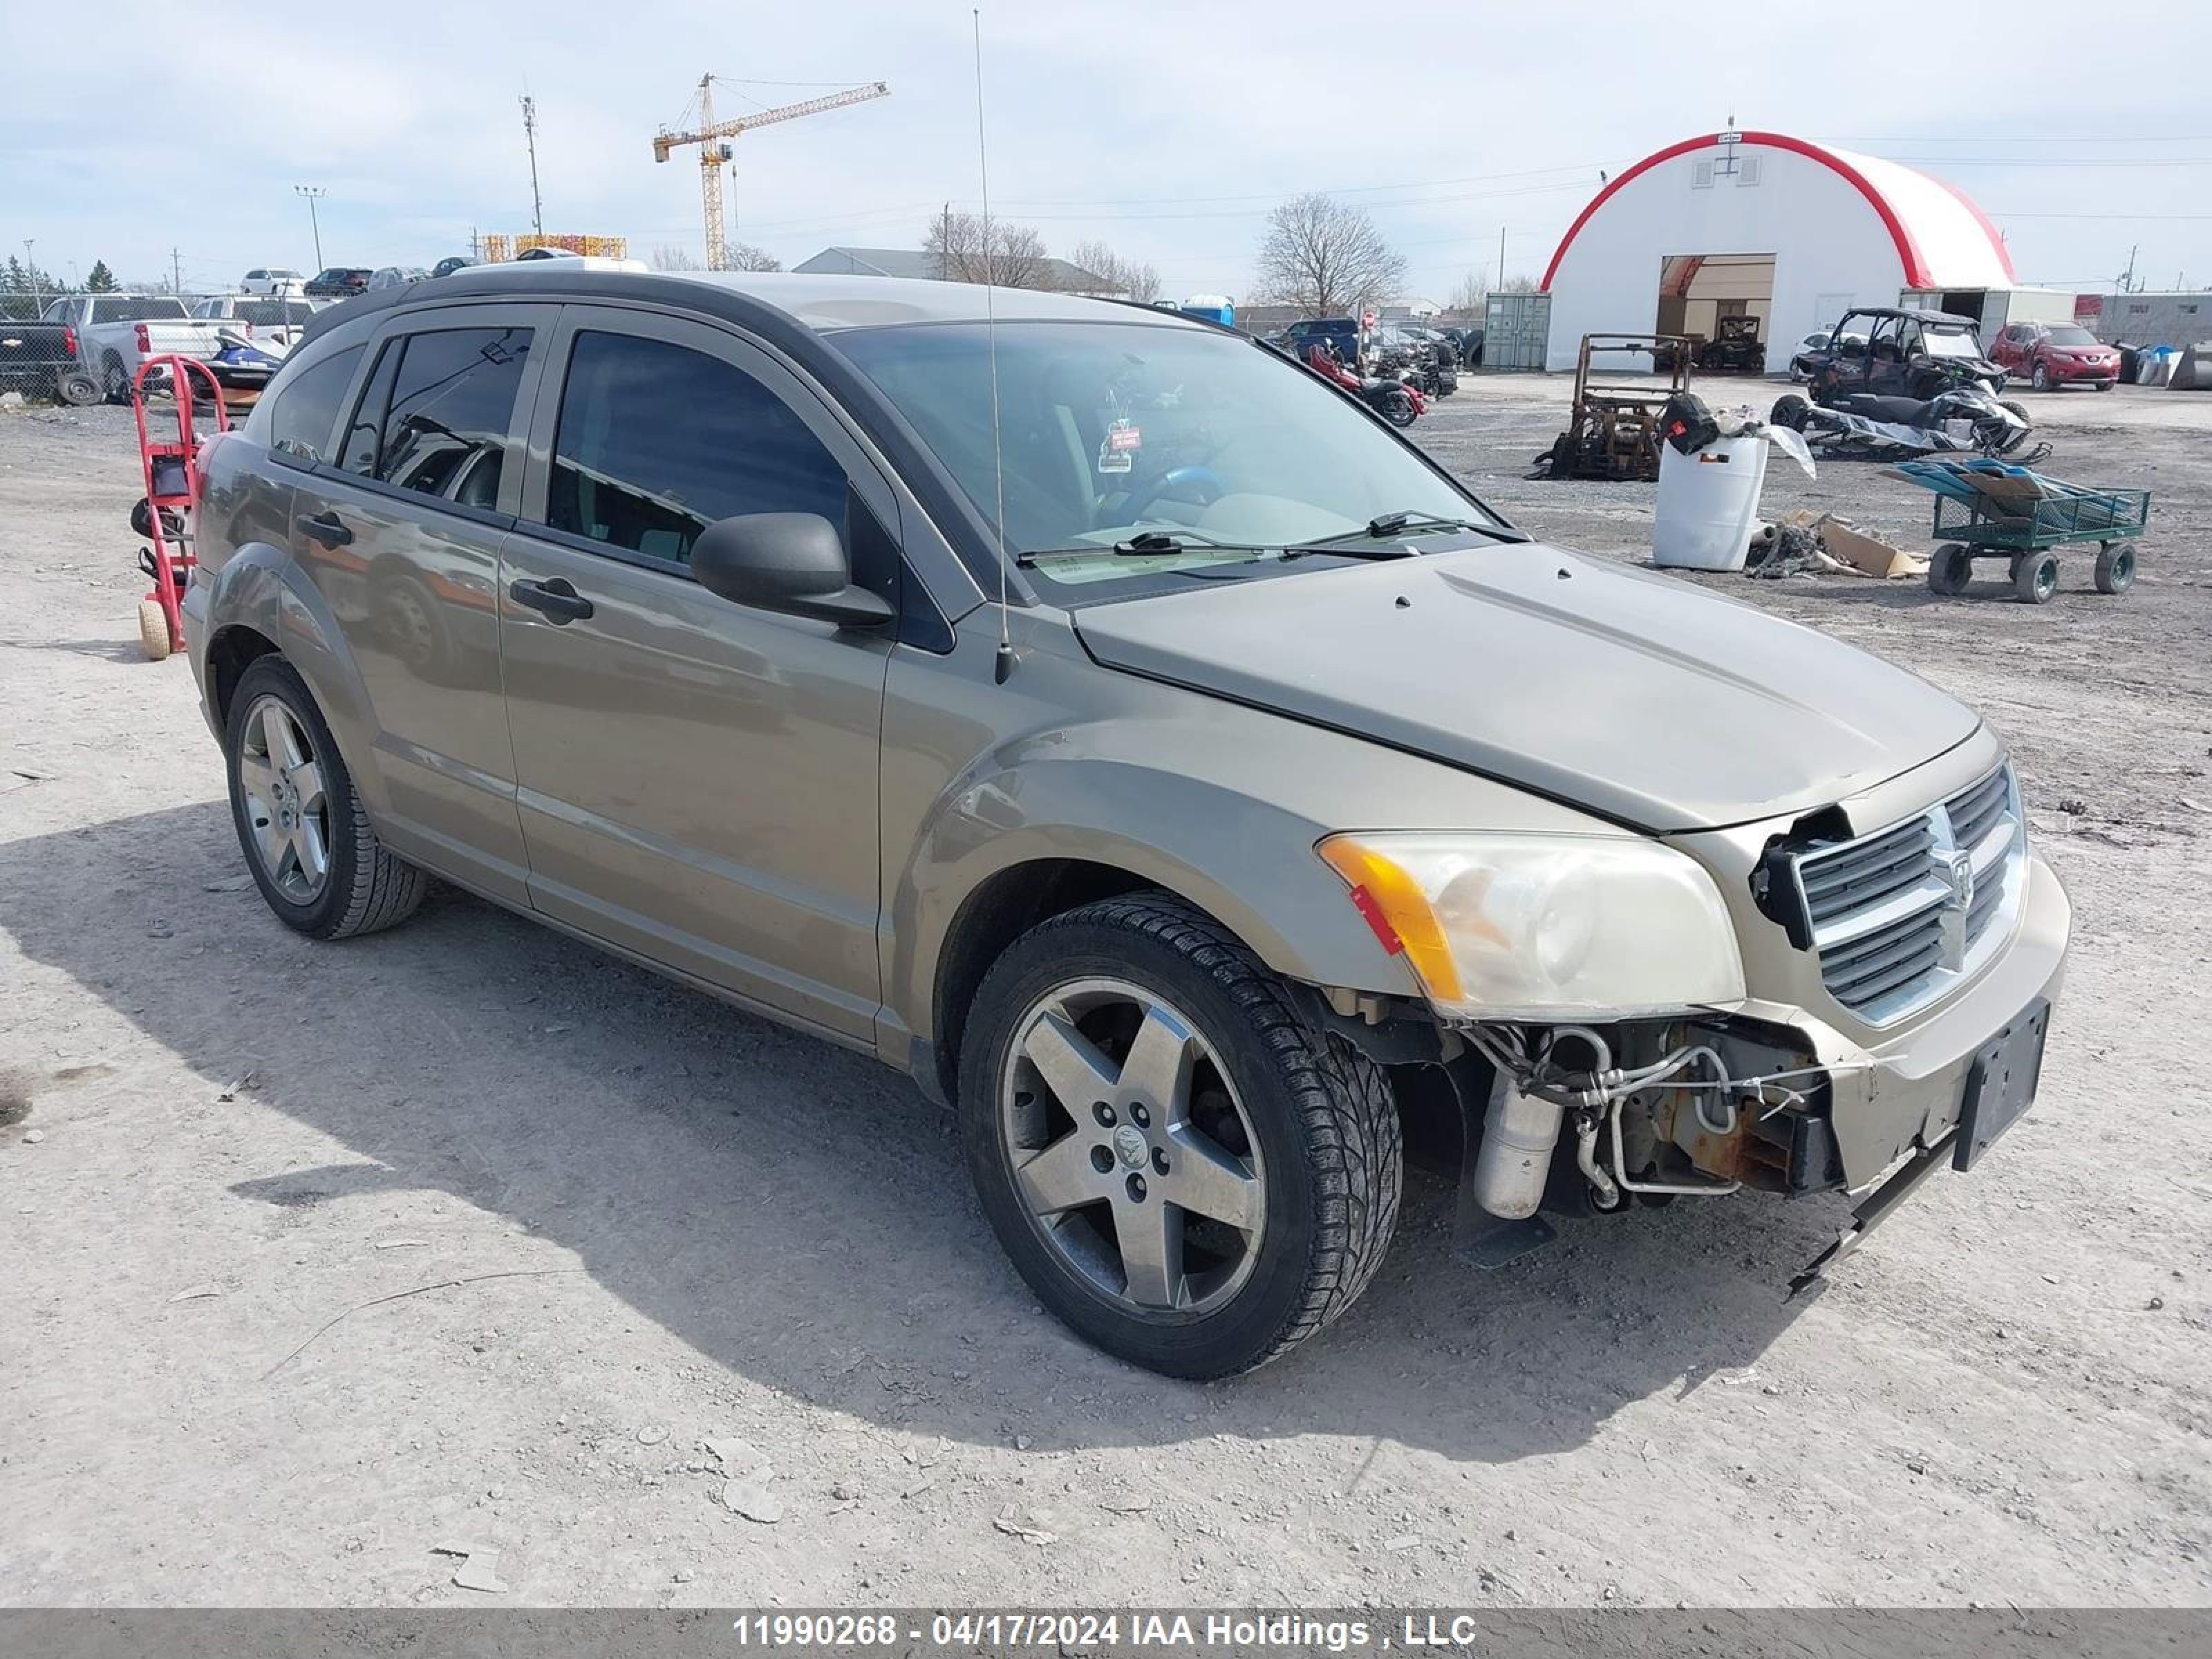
(324, 1259)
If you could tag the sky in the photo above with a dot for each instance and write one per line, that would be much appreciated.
(1167, 130)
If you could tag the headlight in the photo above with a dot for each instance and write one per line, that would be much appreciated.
(1535, 927)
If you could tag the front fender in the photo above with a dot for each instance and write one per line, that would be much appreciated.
(262, 587)
(1243, 859)
(1214, 801)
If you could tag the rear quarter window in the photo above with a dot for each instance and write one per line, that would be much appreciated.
(303, 406)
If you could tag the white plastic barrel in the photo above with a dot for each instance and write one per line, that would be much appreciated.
(1708, 504)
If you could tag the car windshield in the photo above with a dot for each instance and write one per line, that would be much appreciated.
(1949, 342)
(2073, 339)
(1111, 430)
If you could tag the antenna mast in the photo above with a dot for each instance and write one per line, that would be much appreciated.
(1003, 663)
(530, 137)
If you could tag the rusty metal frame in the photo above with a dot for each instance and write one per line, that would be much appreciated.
(1613, 429)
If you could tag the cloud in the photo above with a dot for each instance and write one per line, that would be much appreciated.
(1166, 130)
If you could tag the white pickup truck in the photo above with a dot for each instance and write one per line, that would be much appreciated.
(116, 333)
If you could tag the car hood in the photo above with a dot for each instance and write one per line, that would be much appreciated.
(1631, 695)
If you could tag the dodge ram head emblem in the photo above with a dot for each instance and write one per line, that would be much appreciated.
(1959, 870)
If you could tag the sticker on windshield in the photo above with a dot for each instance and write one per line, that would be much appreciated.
(1119, 452)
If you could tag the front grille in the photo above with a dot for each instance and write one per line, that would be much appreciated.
(1901, 915)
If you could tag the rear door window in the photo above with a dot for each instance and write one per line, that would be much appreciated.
(656, 441)
(445, 431)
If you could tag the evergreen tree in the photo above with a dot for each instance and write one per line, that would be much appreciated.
(15, 279)
(100, 280)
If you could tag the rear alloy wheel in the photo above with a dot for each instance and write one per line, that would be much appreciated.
(2034, 576)
(1950, 568)
(307, 840)
(2115, 567)
(1183, 1170)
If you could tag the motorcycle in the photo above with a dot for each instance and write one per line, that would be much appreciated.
(1964, 417)
(1393, 399)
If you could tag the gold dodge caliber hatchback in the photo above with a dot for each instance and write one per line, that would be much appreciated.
(1290, 790)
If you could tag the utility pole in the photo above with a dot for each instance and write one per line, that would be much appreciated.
(31, 260)
(176, 273)
(1501, 256)
(944, 246)
(313, 193)
(530, 137)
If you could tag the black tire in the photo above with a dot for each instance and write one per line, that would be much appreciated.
(366, 888)
(1398, 410)
(1790, 411)
(2106, 385)
(2034, 576)
(114, 379)
(2041, 379)
(2115, 567)
(1950, 568)
(78, 389)
(1323, 1116)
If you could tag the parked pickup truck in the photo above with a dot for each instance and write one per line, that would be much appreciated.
(39, 359)
(280, 321)
(116, 333)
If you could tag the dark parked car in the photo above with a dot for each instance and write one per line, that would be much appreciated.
(1898, 354)
(338, 282)
(1341, 332)
(451, 263)
(39, 360)
(2052, 356)
(1175, 790)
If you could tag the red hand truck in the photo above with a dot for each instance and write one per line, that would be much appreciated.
(168, 517)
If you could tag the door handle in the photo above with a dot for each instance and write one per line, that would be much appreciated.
(560, 602)
(327, 528)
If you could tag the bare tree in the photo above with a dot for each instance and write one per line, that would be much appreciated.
(744, 256)
(736, 256)
(1326, 258)
(1469, 292)
(1522, 284)
(1015, 256)
(1130, 278)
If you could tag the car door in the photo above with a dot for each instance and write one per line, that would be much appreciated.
(697, 780)
(401, 532)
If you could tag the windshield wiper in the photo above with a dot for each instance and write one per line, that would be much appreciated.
(1384, 525)
(1145, 544)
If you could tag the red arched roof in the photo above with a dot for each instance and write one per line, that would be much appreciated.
(1854, 170)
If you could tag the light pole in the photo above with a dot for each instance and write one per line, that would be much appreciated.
(313, 193)
(37, 297)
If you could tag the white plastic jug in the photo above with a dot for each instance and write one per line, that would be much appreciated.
(1708, 504)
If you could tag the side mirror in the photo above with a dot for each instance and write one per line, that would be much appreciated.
(792, 563)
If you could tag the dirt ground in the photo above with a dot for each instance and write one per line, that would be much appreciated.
(322, 1259)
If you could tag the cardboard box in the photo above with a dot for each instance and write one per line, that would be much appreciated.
(1866, 554)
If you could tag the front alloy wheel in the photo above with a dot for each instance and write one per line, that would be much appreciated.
(1130, 1151)
(1184, 1170)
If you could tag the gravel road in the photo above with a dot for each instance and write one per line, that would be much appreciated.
(324, 1259)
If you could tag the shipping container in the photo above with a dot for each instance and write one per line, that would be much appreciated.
(1515, 330)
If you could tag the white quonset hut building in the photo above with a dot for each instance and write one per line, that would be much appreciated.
(1788, 231)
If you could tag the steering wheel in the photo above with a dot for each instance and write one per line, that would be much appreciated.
(1132, 510)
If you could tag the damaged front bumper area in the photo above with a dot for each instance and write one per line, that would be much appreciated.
(1792, 1093)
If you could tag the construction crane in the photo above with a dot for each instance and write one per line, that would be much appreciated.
(713, 138)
